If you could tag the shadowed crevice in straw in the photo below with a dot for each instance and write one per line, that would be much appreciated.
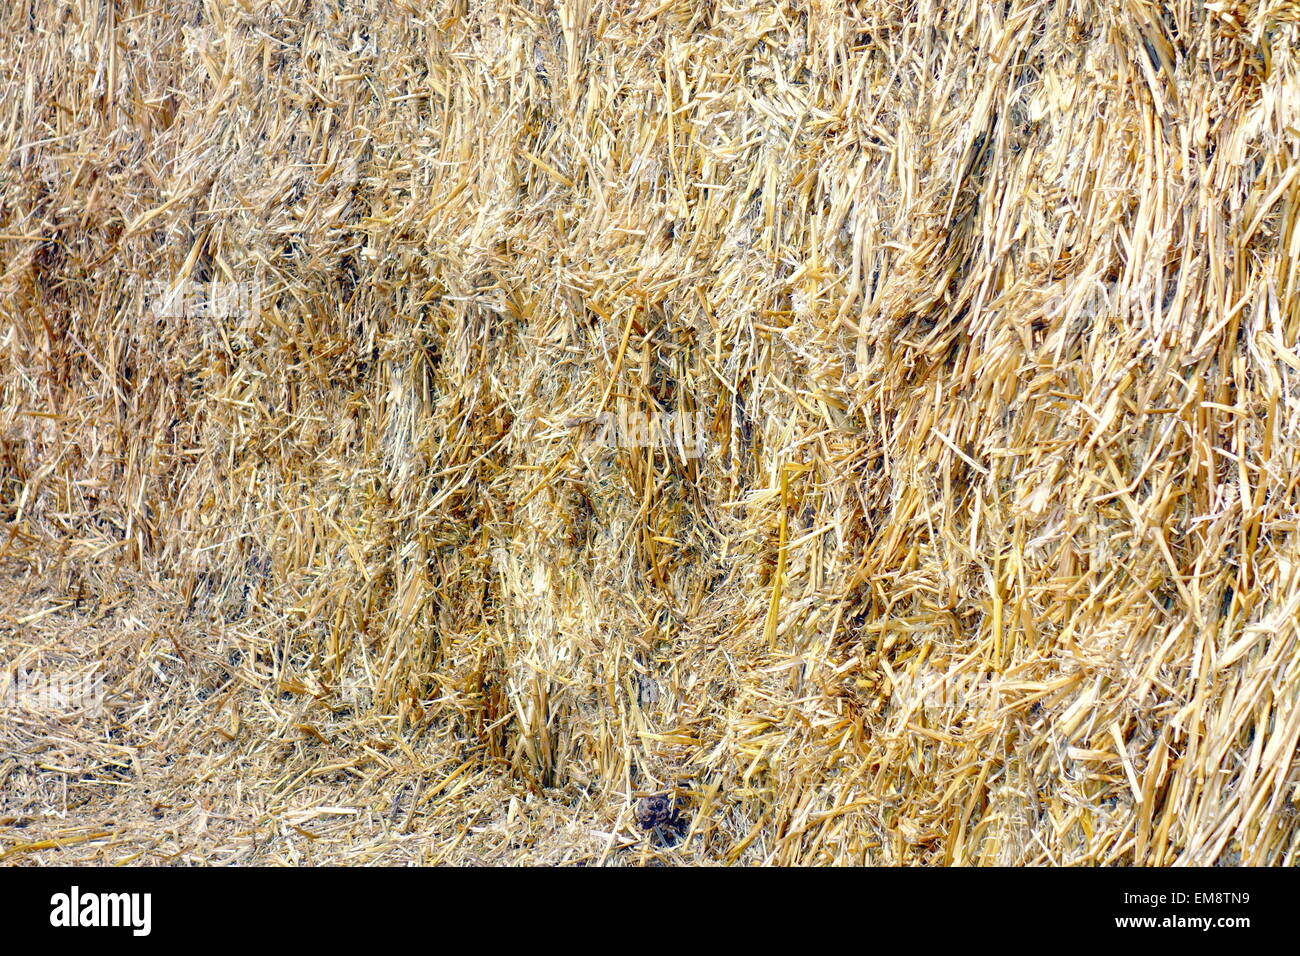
(990, 312)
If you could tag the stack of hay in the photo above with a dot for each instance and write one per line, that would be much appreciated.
(350, 318)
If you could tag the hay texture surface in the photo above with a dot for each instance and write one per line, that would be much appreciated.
(989, 311)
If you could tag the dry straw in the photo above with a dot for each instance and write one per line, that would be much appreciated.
(991, 313)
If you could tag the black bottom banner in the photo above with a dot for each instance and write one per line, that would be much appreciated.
(345, 906)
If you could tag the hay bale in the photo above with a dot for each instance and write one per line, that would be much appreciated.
(352, 321)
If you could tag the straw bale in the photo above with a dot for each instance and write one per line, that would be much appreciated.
(316, 314)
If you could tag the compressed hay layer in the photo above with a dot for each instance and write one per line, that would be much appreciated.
(989, 312)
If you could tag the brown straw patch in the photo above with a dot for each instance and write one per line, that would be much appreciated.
(331, 337)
